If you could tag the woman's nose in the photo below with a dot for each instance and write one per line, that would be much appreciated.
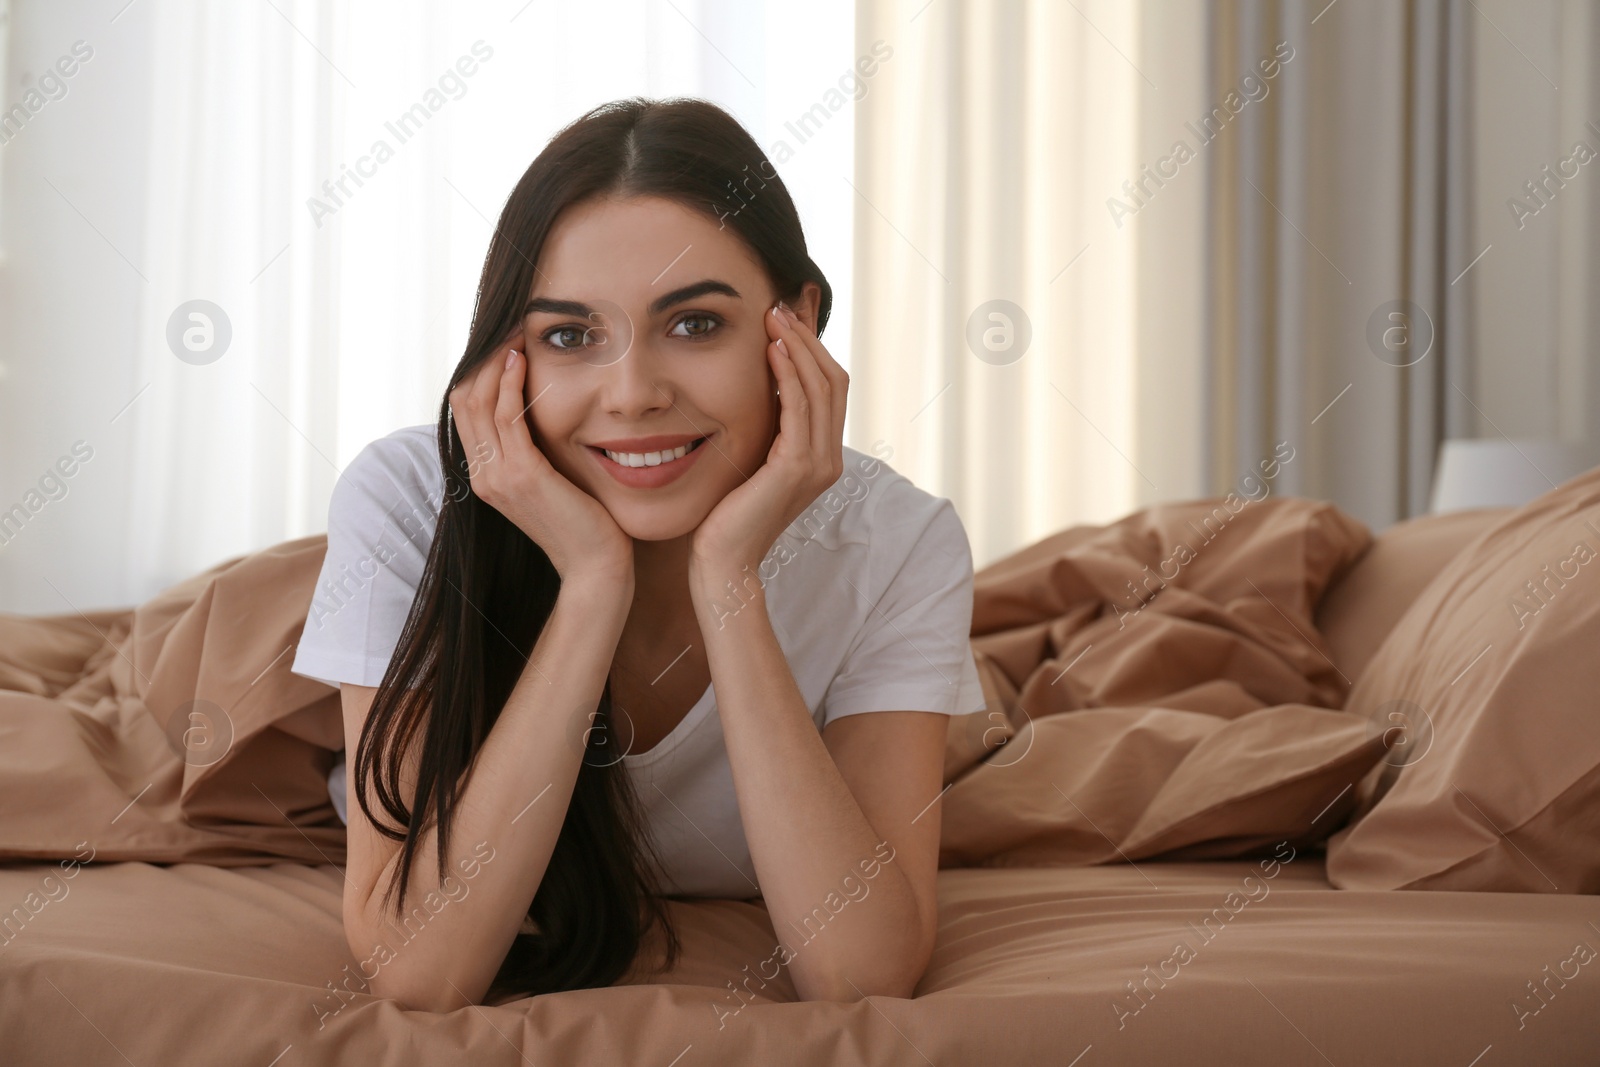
(634, 377)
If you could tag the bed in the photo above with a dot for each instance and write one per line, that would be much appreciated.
(1148, 854)
(190, 963)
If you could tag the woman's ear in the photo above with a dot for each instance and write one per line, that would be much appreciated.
(809, 306)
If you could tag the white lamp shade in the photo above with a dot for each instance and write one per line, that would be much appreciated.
(1484, 473)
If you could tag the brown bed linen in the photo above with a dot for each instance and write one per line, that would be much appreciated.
(1499, 657)
(1158, 681)
(1108, 784)
(1202, 604)
(1157, 686)
(1363, 605)
(194, 964)
(95, 712)
(1203, 726)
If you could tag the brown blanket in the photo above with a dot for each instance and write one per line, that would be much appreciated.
(1156, 687)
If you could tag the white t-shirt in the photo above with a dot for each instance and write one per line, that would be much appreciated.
(869, 593)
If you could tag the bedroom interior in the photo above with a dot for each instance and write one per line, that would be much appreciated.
(1250, 340)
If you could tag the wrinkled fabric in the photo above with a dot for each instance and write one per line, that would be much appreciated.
(1157, 686)
(175, 731)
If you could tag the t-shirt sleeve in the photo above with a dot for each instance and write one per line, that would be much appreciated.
(381, 521)
(914, 651)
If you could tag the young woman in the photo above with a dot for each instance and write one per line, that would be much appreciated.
(610, 631)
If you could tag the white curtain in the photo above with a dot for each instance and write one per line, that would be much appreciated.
(1153, 339)
(346, 271)
(1001, 304)
(1197, 210)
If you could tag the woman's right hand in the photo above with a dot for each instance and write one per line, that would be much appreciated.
(508, 472)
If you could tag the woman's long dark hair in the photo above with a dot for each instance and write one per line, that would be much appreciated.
(488, 589)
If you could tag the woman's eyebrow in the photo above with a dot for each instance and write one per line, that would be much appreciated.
(660, 304)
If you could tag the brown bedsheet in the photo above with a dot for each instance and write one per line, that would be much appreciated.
(194, 964)
(1190, 719)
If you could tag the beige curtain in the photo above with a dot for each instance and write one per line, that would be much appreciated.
(1339, 278)
(1193, 315)
(997, 304)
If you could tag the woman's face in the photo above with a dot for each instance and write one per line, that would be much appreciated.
(645, 321)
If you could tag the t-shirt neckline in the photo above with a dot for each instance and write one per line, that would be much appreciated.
(701, 711)
(676, 736)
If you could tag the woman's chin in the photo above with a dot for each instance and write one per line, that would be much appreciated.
(646, 523)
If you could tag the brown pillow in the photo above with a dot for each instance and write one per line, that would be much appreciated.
(1363, 605)
(1499, 659)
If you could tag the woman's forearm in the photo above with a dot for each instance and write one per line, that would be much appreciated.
(513, 803)
(805, 829)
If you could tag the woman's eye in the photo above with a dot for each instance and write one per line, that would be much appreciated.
(571, 336)
(699, 325)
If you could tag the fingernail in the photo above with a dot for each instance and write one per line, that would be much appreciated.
(511, 357)
(783, 347)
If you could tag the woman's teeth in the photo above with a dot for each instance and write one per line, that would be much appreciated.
(651, 459)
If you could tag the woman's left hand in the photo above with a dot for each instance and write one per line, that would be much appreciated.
(805, 459)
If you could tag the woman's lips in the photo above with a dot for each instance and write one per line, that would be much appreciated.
(649, 477)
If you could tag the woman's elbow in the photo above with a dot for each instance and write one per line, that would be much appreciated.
(423, 993)
(848, 989)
